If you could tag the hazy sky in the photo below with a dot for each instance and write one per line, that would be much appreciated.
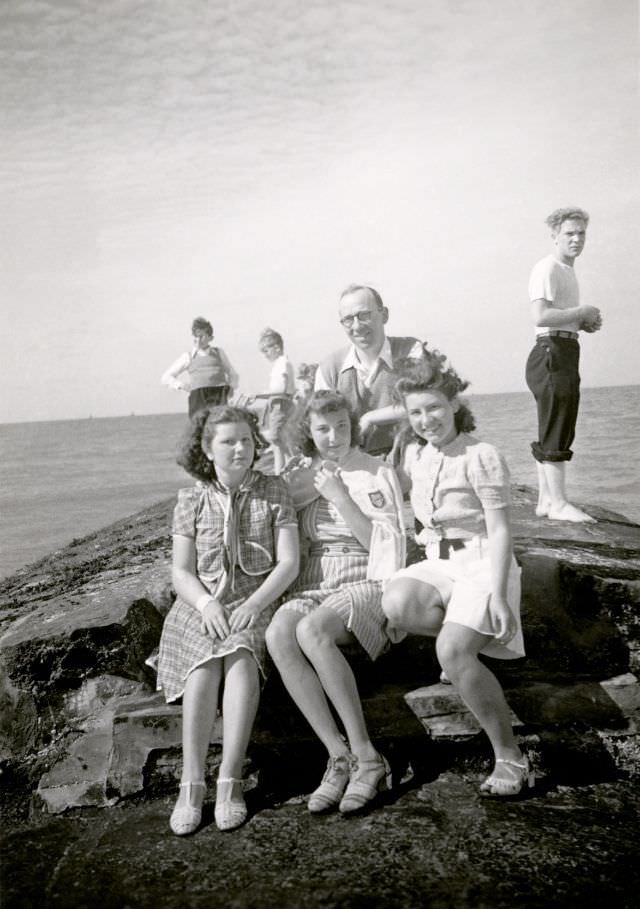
(163, 159)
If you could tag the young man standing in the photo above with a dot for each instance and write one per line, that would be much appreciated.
(552, 368)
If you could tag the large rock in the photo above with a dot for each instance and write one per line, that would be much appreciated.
(77, 699)
(80, 755)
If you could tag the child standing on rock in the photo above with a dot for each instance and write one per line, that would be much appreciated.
(235, 551)
(466, 593)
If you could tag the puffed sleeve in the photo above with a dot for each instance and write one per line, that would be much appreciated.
(282, 507)
(184, 514)
(489, 476)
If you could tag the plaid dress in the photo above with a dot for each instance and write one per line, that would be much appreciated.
(336, 573)
(231, 562)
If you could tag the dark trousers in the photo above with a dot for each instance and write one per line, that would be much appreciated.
(207, 397)
(553, 378)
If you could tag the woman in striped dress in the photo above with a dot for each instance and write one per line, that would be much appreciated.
(235, 552)
(351, 527)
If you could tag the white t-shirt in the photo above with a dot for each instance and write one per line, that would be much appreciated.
(553, 281)
(281, 378)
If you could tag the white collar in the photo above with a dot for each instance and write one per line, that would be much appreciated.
(195, 350)
(353, 361)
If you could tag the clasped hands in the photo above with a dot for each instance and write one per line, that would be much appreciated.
(329, 483)
(592, 320)
(218, 622)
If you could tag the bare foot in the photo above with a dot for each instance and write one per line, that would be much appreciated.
(569, 512)
(543, 508)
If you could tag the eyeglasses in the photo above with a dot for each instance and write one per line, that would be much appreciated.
(364, 318)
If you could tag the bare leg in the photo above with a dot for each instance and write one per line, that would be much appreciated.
(544, 498)
(239, 706)
(301, 681)
(457, 647)
(319, 635)
(199, 708)
(560, 509)
(414, 606)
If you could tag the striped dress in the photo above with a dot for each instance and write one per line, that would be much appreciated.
(337, 572)
(256, 510)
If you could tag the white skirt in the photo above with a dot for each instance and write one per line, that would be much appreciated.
(469, 569)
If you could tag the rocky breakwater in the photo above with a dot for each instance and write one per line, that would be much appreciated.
(81, 723)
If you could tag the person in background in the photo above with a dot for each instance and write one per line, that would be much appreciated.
(466, 591)
(365, 371)
(277, 405)
(235, 552)
(350, 515)
(281, 376)
(305, 379)
(207, 374)
(552, 367)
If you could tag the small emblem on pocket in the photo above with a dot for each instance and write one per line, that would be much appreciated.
(377, 499)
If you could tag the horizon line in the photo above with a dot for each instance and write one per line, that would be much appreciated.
(126, 416)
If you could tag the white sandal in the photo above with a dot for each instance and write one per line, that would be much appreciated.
(367, 779)
(334, 782)
(521, 775)
(229, 813)
(186, 818)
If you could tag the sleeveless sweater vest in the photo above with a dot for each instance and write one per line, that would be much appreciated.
(206, 370)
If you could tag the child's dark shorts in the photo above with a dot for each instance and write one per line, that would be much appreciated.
(554, 380)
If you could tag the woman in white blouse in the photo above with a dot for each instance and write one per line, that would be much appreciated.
(466, 592)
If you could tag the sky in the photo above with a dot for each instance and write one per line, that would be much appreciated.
(245, 161)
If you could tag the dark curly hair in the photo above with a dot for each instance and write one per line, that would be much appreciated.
(431, 373)
(199, 435)
(201, 324)
(321, 402)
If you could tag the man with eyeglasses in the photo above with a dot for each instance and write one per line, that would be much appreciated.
(364, 371)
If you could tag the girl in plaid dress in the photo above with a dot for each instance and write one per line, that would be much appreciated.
(235, 551)
(350, 520)
(466, 593)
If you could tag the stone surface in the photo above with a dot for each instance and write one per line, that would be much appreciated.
(18, 719)
(79, 759)
(75, 621)
(142, 726)
(436, 845)
(443, 712)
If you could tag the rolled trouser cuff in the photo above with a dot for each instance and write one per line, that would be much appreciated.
(541, 454)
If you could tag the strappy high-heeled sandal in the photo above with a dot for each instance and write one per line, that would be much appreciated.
(334, 782)
(367, 779)
(186, 818)
(229, 812)
(521, 776)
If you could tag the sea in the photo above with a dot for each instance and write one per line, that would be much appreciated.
(64, 479)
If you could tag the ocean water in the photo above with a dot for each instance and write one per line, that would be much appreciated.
(64, 479)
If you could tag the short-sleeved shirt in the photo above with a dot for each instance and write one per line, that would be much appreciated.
(556, 282)
(452, 486)
(261, 505)
(281, 377)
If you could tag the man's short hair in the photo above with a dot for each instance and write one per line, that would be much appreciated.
(354, 288)
(200, 324)
(556, 218)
